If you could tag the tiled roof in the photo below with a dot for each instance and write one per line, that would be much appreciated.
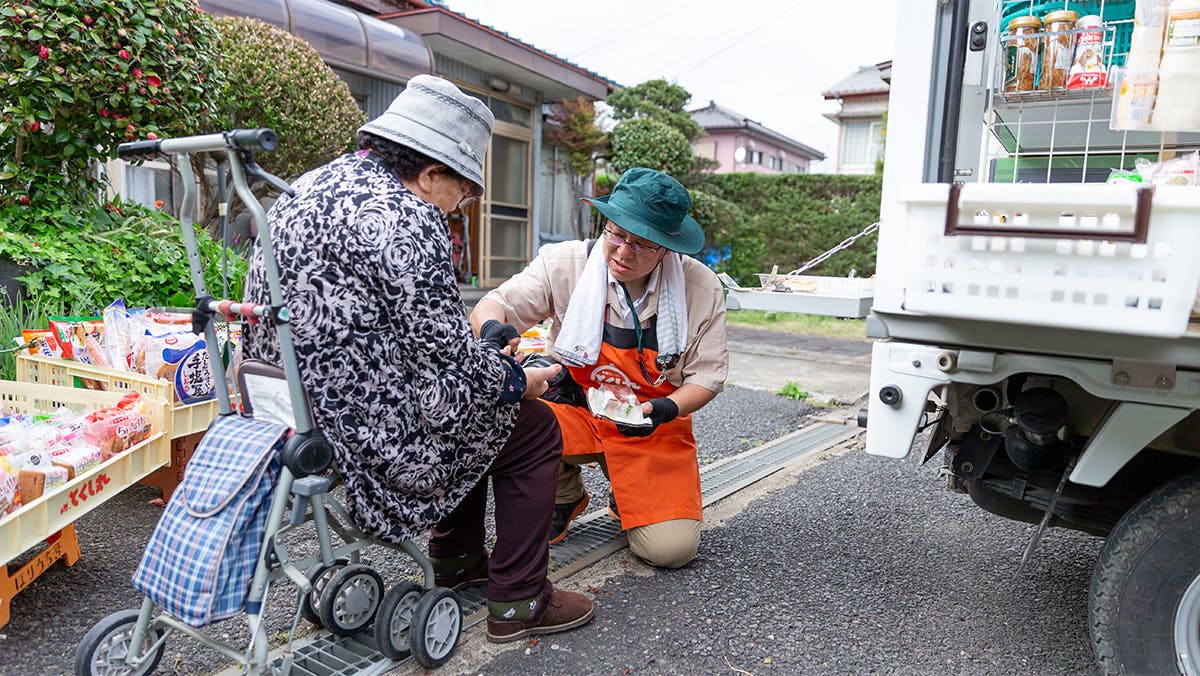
(866, 80)
(713, 117)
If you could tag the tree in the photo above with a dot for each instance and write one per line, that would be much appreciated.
(655, 130)
(274, 79)
(84, 75)
(573, 128)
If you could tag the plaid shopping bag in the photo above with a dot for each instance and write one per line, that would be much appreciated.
(201, 558)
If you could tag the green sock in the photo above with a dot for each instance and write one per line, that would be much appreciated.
(511, 610)
(455, 565)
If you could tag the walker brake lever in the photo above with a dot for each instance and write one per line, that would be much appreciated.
(256, 172)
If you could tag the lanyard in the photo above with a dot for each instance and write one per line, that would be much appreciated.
(637, 331)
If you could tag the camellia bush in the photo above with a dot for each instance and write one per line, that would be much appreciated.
(82, 76)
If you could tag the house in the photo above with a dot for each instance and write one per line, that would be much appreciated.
(740, 144)
(376, 46)
(863, 102)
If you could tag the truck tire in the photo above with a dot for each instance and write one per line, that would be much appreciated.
(1146, 568)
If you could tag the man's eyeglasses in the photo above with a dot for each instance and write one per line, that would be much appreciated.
(639, 249)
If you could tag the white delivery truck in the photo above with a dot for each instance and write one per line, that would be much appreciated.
(1033, 307)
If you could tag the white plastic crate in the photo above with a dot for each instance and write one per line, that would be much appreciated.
(1054, 255)
(182, 419)
(62, 505)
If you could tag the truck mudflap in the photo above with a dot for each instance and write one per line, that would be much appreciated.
(904, 374)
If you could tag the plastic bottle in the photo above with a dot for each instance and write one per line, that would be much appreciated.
(1177, 107)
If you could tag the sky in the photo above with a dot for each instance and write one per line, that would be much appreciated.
(768, 60)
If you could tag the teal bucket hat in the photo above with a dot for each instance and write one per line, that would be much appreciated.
(653, 206)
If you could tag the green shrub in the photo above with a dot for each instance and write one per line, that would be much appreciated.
(800, 216)
(274, 79)
(83, 257)
(644, 142)
(791, 390)
(732, 242)
(84, 75)
(15, 316)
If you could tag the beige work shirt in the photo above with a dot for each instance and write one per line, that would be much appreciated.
(543, 290)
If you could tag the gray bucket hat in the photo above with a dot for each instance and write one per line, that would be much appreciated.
(434, 118)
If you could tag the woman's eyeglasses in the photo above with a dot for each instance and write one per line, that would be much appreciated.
(639, 249)
(471, 192)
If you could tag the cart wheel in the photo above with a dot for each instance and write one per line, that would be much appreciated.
(436, 625)
(318, 574)
(350, 599)
(104, 647)
(393, 624)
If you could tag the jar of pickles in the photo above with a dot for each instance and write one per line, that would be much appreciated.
(1021, 54)
(1058, 49)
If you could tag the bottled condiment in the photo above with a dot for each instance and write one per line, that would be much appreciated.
(1178, 105)
(1088, 69)
(1021, 54)
(1058, 49)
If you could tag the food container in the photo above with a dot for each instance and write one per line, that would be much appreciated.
(1088, 69)
(1021, 54)
(1058, 48)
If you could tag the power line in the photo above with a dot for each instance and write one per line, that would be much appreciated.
(770, 20)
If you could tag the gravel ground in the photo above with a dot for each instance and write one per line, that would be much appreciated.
(50, 617)
(848, 564)
(857, 565)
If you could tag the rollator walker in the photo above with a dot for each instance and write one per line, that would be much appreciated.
(336, 589)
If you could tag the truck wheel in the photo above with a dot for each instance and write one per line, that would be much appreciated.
(1144, 607)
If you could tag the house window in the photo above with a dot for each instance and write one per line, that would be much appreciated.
(860, 144)
(755, 157)
(557, 204)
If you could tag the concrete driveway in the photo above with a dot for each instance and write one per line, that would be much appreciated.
(831, 370)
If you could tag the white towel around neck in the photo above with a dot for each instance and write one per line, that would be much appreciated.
(578, 342)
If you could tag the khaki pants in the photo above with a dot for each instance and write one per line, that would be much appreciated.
(666, 544)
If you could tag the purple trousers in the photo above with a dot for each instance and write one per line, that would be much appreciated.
(524, 477)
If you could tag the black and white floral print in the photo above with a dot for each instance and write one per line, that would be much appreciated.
(409, 399)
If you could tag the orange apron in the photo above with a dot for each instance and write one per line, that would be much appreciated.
(654, 478)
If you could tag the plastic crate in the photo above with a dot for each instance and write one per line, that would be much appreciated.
(1053, 255)
(1116, 13)
(61, 506)
(182, 419)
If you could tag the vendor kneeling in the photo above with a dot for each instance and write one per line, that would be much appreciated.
(628, 309)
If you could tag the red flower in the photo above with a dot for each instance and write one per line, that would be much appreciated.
(88, 20)
(137, 73)
(124, 54)
(154, 102)
(151, 136)
(24, 199)
(104, 112)
(153, 80)
(43, 52)
(34, 126)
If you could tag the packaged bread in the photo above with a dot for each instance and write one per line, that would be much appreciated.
(34, 483)
(77, 460)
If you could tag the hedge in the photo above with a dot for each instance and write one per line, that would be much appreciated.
(794, 218)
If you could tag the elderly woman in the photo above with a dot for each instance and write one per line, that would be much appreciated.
(419, 412)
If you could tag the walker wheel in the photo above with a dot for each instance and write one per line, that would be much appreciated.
(350, 599)
(436, 626)
(104, 647)
(393, 624)
(318, 575)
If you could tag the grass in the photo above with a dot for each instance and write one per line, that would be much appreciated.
(810, 325)
(791, 390)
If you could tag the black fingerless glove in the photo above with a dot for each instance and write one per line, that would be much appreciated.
(497, 334)
(662, 410)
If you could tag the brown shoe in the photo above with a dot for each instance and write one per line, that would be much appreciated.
(556, 610)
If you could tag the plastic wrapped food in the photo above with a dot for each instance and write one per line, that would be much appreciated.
(616, 403)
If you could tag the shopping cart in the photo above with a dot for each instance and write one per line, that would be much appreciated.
(336, 589)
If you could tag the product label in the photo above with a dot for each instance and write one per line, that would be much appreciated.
(1183, 30)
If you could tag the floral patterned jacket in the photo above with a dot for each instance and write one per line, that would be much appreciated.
(415, 407)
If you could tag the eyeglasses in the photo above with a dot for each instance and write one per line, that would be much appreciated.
(639, 249)
(471, 192)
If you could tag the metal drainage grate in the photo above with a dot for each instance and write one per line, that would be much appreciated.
(593, 537)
